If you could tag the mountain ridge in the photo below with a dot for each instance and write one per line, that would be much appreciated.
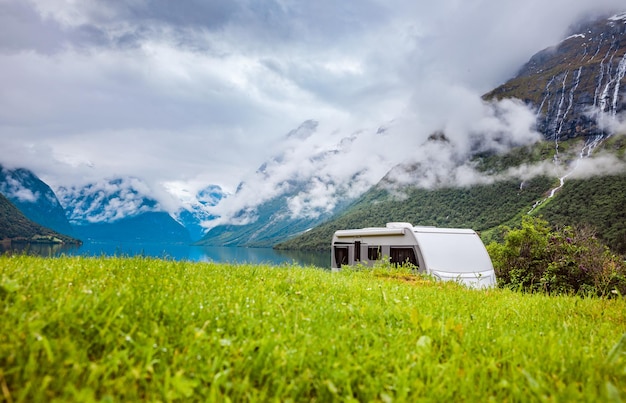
(292, 204)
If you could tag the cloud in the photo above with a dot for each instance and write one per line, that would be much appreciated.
(315, 165)
(13, 189)
(202, 92)
(608, 122)
(602, 164)
(320, 166)
(443, 158)
(12, 185)
(107, 200)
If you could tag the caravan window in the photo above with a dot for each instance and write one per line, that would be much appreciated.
(341, 255)
(400, 255)
(373, 253)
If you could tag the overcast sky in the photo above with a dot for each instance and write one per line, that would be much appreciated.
(188, 93)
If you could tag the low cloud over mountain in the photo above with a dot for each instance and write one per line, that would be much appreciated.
(201, 93)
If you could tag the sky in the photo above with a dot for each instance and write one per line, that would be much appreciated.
(184, 94)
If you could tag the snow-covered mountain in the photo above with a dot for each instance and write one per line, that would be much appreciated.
(107, 201)
(119, 209)
(97, 208)
(316, 173)
(574, 89)
(194, 212)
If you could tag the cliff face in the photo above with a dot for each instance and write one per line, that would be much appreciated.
(578, 86)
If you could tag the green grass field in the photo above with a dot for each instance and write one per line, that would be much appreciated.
(98, 329)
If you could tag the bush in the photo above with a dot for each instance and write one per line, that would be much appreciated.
(536, 258)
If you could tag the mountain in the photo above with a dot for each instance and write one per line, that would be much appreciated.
(575, 176)
(14, 225)
(273, 223)
(120, 209)
(577, 86)
(594, 201)
(34, 199)
(194, 214)
(114, 210)
(574, 88)
(294, 191)
(106, 201)
(149, 227)
(480, 206)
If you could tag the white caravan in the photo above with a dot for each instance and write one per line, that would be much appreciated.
(445, 253)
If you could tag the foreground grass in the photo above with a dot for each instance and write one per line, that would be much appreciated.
(81, 329)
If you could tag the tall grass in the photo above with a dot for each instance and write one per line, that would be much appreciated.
(96, 329)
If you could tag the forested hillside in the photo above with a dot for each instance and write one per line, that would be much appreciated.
(595, 201)
(479, 207)
(15, 226)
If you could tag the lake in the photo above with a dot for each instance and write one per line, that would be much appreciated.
(220, 254)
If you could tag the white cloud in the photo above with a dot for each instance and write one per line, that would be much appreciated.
(107, 200)
(13, 188)
(442, 160)
(602, 164)
(608, 122)
(202, 92)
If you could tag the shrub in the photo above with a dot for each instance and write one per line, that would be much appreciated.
(565, 260)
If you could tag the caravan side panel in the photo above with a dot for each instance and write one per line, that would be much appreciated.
(370, 244)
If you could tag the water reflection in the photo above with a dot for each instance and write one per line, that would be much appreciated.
(36, 249)
(178, 252)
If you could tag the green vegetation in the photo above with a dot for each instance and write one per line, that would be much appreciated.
(493, 163)
(596, 202)
(480, 207)
(535, 258)
(15, 226)
(79, 329)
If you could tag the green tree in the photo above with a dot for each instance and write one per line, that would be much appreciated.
(564, 260)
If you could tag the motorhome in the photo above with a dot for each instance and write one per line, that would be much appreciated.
(455, 254)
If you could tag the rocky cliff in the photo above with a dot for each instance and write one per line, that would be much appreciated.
(577, 87)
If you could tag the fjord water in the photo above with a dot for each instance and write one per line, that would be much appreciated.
(221, 254)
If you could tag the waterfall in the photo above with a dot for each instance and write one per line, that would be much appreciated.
(557, 132)
(545, 96)
(621, 70)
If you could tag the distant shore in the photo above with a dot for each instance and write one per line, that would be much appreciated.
(39, 239)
